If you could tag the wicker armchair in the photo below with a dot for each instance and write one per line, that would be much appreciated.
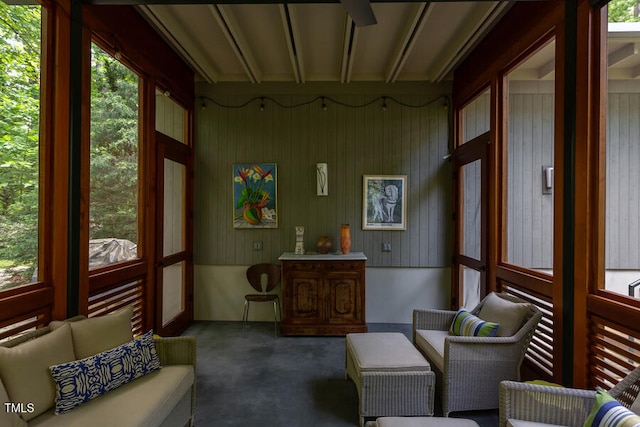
(469, 369)
(557, 405)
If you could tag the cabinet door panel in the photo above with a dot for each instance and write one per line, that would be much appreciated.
(306, 299)
(343, 305)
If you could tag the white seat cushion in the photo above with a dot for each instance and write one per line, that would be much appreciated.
(385, 351)
(424, 422)
(144, 402)
(431, 343)
(521, 423)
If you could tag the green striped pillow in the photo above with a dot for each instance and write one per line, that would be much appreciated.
(466, 324)
(608, 412)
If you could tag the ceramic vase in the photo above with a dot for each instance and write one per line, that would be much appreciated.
(345, 238)
(324, 245)
(299, 240)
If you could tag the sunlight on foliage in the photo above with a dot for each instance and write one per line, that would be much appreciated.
(624, 11)
(114, 149)
(19, 153)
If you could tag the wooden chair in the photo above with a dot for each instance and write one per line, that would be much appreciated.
(263, 278)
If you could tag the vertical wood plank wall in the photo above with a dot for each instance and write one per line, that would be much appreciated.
(353, 142)
(529, 211)
(623, 175)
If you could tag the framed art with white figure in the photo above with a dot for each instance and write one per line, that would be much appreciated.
(384, 202)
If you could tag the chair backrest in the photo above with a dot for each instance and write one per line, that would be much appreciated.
(255, 275)
(627, 390)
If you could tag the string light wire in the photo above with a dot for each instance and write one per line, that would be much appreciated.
(324, 100)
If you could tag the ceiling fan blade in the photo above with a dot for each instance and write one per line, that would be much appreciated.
(360, 11)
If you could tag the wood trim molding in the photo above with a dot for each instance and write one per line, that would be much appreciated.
(122, 28)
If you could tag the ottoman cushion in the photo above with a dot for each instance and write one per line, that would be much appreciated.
(385, 352)
(424, 422)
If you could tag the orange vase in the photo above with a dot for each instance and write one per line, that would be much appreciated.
(345, 238)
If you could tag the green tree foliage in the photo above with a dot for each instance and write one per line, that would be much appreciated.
(114, 149)
(19, 133)
(624, 11)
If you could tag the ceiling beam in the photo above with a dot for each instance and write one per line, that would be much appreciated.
(414, 28)
(191, 54)
(626, 51)
(236, 40)
(348, 50)
(546, 69)
(292, 34)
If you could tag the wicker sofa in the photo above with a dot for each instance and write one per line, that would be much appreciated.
(469, 368)
(33, 391)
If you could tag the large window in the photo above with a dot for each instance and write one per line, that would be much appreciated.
(113, 221)
(20, 50)
(530, 163)
(622, 212)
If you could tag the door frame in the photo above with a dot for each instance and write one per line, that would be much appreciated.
(169, 148)
(476, 149)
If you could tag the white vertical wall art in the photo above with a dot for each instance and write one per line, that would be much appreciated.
(322, 179)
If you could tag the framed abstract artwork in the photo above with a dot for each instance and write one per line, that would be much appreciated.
(255, 195)
(384, 202)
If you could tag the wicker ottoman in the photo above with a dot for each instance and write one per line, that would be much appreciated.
(391, 375)
(421, 422)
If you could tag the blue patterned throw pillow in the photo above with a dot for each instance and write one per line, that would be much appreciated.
(608, 412)
(465, 323)
(82, 380)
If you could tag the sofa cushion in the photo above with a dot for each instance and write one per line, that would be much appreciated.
(146, 401)
(7, 418)
(466, 324)
(522, 423)
(24, 369)
(510, 315)
(431, 344)
(97, 334)
(608, 412)
(423, 422)
(82, 380)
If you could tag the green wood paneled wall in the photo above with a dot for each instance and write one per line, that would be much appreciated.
(353, 142)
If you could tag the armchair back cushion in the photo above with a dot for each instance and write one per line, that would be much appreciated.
(509, 315)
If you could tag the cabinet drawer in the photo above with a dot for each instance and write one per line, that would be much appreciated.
(302, 266)
(343, 266)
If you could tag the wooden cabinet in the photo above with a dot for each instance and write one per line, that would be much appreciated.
(323, 294)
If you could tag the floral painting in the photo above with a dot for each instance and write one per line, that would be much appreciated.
(254, 195)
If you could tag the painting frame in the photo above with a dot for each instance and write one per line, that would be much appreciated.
(384, 202)
(255, 195)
